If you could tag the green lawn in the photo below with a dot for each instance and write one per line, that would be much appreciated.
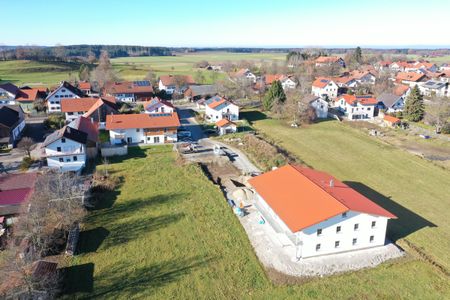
(167, 233)
(413, 188)
(128, 68)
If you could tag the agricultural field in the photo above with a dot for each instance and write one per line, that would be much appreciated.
(167, 232)
(414, 189)
(22, 72)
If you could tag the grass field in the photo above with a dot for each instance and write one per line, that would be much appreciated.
(167, 233)
(128, 68)
(414, 189)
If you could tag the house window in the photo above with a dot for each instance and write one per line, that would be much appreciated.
(336, 244)
(58, 149)
(67, 159)
(354, 242)
(371, 238)
(63, 91)
(374, 223)
(63, 140)
(61, 159)
(344, 215)
(356, 226)
(338, 229)
(156, 139)
(319, 232)
(75, 158)
(317, 247)
(137, 130)
(70, 113)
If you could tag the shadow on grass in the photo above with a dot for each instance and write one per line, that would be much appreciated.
(90, 240)
(407, 221)
(78, 279)
(133, 152)
(145, 279)
(252, 116)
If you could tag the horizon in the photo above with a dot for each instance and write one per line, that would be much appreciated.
(233, 24)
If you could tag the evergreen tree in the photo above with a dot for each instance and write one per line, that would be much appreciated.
(275, 93)
(357, 56)
(414, 107)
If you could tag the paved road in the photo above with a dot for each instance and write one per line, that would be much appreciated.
(187, 120)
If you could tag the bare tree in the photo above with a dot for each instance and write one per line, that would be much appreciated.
(91, 58)
(26, 144)
(150, 76)
(437, 113)
(104, 72)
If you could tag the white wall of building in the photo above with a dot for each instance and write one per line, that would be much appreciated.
(356, 112)
(331, 90)
(216, 115)
(66, 155)
(321, 108)
(71, 116)
(137, 135)
(54, 101)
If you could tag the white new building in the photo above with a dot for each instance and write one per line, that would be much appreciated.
(322, 87)
(317, 213)
(65, 90)
(356, 108)
(319, 104)
(218, 108)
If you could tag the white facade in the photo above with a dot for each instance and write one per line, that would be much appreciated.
(330, 90)
(72, 116)
(342, 233)
(128, 97)
(321, 108)
(161, 109)
(229, 111)
(356, 112)
(66, 155)
(54, 99)
(288, 83)
(17, 131)
(229, 128)
(7, 97)
(139, 135)
(169, 89)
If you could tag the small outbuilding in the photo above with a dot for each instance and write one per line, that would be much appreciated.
(225, 126)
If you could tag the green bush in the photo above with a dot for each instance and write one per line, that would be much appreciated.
(26, 163)
(446, 129)
(54, 121)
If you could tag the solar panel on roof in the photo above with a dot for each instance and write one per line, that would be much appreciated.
(160, 115)
(323, 80)
(142, 83)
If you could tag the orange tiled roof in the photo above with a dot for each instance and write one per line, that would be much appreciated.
(302, 197)
(409, 76)
(400, 89)
(270, 78)
(223, 122)
(391, 119)
(170, 79)
(327, 59)
(321, 82)
(27, 95)
(77, 104)
(84, 85)
(163, 120)
(362, 99)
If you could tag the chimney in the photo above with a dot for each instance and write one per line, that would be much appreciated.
(331, 183)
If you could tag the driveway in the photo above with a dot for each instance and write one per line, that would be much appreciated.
(187, 120)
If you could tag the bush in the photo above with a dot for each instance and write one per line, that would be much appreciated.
(26, 163)
(54, 121)
(446, 128)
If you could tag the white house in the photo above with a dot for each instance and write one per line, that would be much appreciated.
(288, 83)
(170, 83)
(356, 108)
(329, 60)
(245, 74)
(8, 93)
(317, 213)
(410, 78)
(129, 91)
(158, 128)
(64, 90)
(434, 87)
(319, 104)
(73, 108)
(363, 77)
(218, 108)
(12, 123)
(65, 149)
(156, 105)
(322, 87)
(225, 126)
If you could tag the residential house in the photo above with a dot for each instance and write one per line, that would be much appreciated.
(158, 128)
(410, 78)
(244, 74)
(344, 82)
(26, 98)
(129, 91)
(156, 106)
(8, 93)
(226, 126)
(175, 83)
(383, 65)
(12, 123)
(317, 213)
(91, 128)
(15, 191)
(395, 101)
(63, 91)
(444, 67)
(86, 88)
(329, 60)
(65, 149)
(324, 87)
(363, 77)
(435, 88)
(93, 108)
(218, 108)
(356, 108)
(391, 121)
(287, 81)
(196, 92)
(319, 104)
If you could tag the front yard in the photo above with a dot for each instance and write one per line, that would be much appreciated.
(167, 232)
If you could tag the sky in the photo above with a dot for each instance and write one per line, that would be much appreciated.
(227, 23)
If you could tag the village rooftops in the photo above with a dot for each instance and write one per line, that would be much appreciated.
(84, 85)
(87, 126)
(391, 119)
(302, 197)
(160, 120)
(15, 189)
(69, 87)
(9, 116)
(27, 95)
(361, 99)
(224, 123)
(400, 89)
(327, 59)
(409, 76)
(217, 103)
(170, 80)
(77, 104)
(10, 88)
(321, 82)
(129, 87)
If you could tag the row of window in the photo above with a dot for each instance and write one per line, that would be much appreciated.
(339, 228)
(75, 158)
(71, 113)
(338, 243)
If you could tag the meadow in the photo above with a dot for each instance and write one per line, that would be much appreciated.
(167, 232)
(22, 72)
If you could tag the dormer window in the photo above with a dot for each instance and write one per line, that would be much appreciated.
(63, 140)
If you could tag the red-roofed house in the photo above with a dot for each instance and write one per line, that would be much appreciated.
(158, 128)
(225, 126)
(94, 108)
(170, 83)
(356, 108)
(410, 78)
(129, 91)
(15, 190)
(329, 60)
(322, 87)
(318, 213)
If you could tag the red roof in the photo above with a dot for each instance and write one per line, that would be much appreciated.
(361, 99)
(391, 119)
(400, 89)
(128, 87)
(15, 197)
(170, 79)
(302, 197)
(327, 59)
(321, 82)
(163, 120)
(87, 126)
(84, 85)
(409, 76)
(270, 78)
(77, 104)
(224, 122)
(27, 95)
(17, 181)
